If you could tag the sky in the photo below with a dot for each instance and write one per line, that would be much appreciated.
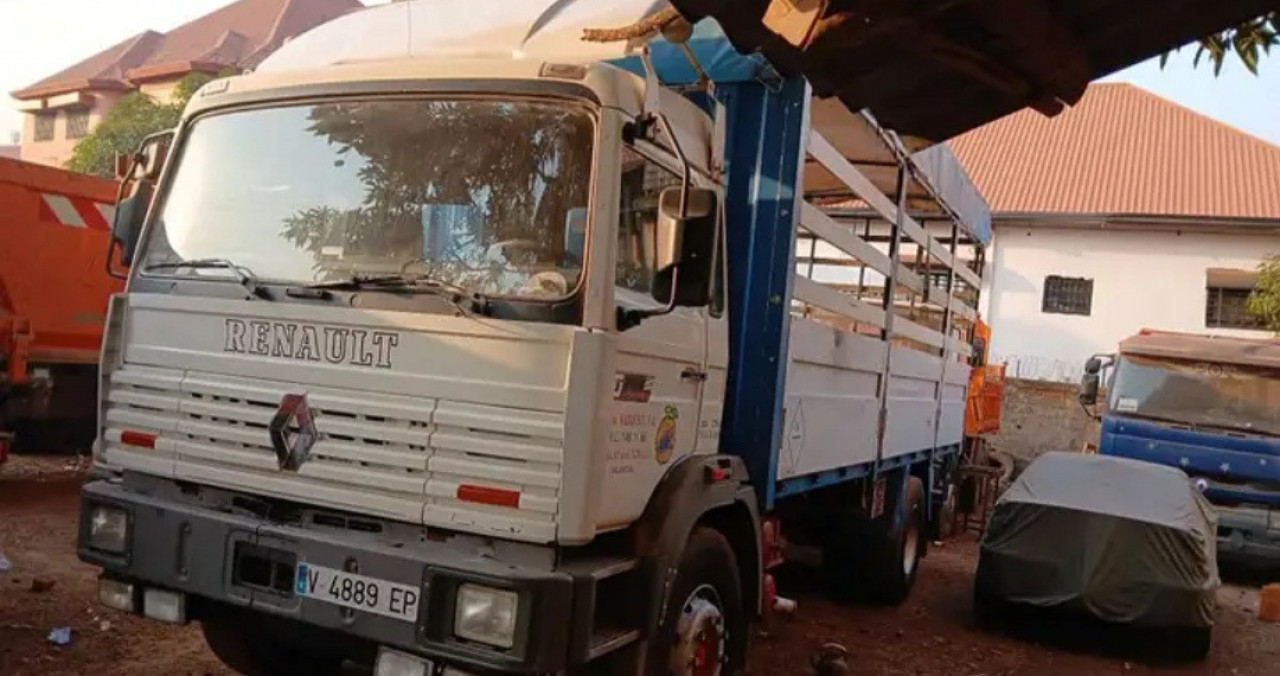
(38, 39)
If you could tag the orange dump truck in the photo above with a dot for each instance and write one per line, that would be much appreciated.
(54, 287)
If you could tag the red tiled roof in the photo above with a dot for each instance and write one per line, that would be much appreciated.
(1122, 150)
(239, 36)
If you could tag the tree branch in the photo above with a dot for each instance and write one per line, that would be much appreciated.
(651, 24)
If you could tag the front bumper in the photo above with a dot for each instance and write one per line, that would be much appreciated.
(202, 552)
(1249, 535)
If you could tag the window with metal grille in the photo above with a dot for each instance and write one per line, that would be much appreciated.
(77, 124)
(1227, 309)
(1067, 296)
(44, 126)
(939, 279)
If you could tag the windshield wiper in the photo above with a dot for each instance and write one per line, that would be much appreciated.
(411, 283)
(245, 276)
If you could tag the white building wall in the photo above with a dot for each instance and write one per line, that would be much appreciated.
(1141, 279)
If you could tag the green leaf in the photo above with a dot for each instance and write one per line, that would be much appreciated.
(132, 119)
(1246, 47)
(1264, 302)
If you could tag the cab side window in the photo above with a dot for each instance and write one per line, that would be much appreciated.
(642, 182)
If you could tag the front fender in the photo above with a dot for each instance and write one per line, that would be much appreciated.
(682, 499)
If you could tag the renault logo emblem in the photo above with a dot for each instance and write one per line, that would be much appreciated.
(293, 431)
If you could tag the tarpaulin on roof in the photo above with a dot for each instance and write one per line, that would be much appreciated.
(949, 178)
(1122, 540)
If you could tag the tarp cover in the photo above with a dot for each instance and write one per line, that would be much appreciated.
(1125, 541)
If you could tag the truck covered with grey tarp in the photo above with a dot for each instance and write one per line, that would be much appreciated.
(1123, 541)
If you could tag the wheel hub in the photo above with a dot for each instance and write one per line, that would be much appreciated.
(701, 637)
(911, 547)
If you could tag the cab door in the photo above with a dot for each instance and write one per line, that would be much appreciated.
(660, 364)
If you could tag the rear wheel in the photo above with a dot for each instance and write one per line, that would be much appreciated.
(704, 631)
(894, 558)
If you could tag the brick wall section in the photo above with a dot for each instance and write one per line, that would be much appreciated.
(1040, 416)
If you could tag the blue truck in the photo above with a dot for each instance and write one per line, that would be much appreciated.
(1210, 406)
(452, 340)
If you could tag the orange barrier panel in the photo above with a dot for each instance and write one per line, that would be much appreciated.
(986, 388)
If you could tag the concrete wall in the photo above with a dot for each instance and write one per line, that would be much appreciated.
(1154, 279)
(1040, 416)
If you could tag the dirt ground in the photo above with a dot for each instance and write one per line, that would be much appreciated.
(932, 634)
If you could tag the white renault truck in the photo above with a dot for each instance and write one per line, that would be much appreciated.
(454, 343)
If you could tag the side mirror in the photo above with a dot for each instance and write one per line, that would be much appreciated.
(1089, 389)
(137, 180)
(686, 236)
(1093, 366)
(699, 205)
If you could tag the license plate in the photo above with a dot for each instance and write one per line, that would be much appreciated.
(358, 592)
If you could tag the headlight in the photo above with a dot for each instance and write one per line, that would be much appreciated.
(486, 615)
(108, 529)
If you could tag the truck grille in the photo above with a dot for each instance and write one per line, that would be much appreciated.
(393, 456)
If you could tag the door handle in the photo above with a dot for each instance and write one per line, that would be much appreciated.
(696, 375)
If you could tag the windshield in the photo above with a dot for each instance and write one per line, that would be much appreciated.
(1196, 393)
(489, 196)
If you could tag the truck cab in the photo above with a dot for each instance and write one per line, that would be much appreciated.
(458, 342)
(1210, 406)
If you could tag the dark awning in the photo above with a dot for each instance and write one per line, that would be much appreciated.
(937, 68)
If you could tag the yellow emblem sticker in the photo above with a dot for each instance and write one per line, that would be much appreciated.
(665, 442)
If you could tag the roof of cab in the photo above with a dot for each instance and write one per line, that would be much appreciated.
(1260, 351)
(552, 32)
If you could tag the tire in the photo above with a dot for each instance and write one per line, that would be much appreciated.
(706, 578)
(895, 553)
(944, 521)
(253, 648)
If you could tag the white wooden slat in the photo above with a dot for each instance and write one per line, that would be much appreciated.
(965, 273)
(824, 227)
(935, 249)
(959, 346)
(841, 237)
(956, 305)
(826, 154)
(813, 293)
(922, 334)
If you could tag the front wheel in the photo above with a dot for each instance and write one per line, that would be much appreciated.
(704, 630)
(265, 648)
